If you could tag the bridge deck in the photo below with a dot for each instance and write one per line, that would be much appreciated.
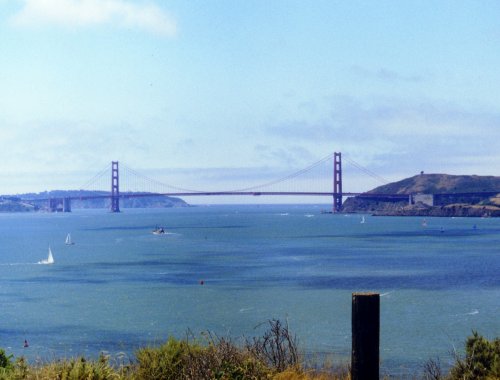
(267, 193)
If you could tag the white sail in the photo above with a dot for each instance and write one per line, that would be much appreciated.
(50, 259)
(68, 240)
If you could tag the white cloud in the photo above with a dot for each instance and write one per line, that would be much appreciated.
(387, 75)
(400, 136)
(79, 13)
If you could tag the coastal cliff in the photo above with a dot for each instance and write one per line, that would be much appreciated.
(432, 195)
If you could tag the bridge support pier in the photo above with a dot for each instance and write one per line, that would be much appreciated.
(337, 182)
(59, 205)
(67, 205)
(53, 204)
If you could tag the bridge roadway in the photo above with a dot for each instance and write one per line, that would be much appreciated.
(218, 193)
(266, 193)
(64, 203)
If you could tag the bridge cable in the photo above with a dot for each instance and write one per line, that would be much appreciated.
(290, 176)
(95, 178)
(367, 171)
(251, 188)
(158, 183)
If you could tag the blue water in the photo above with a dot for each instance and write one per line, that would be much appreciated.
(121, 287)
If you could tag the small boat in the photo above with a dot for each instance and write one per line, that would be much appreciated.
(50, 259)
(362, 219)
(159, 231)
(68, 240)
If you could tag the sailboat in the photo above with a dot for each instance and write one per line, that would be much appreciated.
(362, 219)
(50, 258)
(68, 240)
(159, 231)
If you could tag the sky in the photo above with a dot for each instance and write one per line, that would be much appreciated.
(206, 94)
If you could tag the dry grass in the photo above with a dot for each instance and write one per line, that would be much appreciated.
(300, 374)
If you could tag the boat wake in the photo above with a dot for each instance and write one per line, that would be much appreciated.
(472, 312)
(386, 294)
(245, 309)
(16, 264)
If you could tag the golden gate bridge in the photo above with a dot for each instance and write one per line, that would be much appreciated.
(325, 176)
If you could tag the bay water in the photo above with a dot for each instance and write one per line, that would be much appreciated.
(230, 269)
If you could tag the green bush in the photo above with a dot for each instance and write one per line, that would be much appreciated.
(6, 365)
(5, 361)
(221, 359)
(274, 356)
(482, 360)
(218, 358)
(162, 363)
(72, 369)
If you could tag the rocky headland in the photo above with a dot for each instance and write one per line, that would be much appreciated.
(432, 195)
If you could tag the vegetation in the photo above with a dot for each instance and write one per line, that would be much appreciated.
(440, 183)
(482, 359)
(448, 200)
(271, 357)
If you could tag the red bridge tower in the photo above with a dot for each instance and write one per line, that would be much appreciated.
(337, 182)
(115, 187)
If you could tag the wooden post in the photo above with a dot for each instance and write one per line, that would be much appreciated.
(365, 336)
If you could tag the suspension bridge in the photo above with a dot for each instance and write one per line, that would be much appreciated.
(323, 178)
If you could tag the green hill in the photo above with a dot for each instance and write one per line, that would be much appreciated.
(433, 195)
(441, 183)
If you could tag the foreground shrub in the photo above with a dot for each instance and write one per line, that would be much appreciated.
(5, 360)
(277, 348)
(217, 358)
(166, 362)
(6, 366)
(72, 369)
(272, 357)
(482, 360)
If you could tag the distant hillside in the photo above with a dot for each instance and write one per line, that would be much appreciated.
(440, 183)
(15, 203)
(444, 202)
